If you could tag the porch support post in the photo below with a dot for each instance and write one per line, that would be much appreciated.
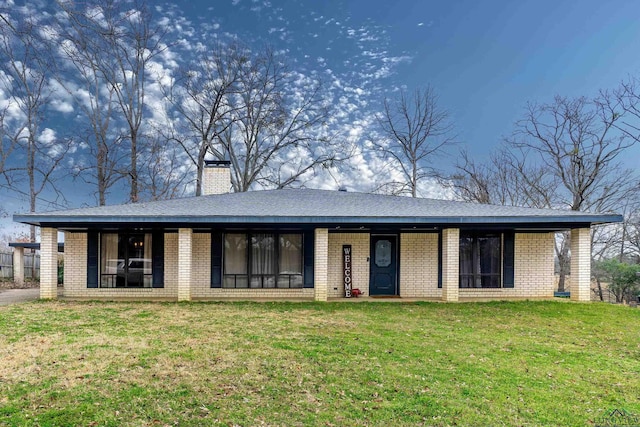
(185, 243)
(321, 264)
(18, 266)
(581, 264)
(450, 264)
(48, 263)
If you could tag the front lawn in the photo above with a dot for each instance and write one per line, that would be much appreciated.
(507, 363)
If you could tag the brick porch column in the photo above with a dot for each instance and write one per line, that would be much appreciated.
(450, 264)
(581, 264)
(18, 266)
(185, 243)
(48, 263)
(321, 264)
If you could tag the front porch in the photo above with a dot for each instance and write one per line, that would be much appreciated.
(428, 269)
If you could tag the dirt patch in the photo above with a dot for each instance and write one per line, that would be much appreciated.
(10, 284)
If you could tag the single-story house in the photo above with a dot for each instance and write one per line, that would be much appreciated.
(310, 244)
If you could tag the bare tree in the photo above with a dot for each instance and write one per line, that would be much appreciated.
(505, 179)
(633, 236)
(132, 44)
(164, 171)
(7, 144)
(475, 181)
(276, 134)
(577, 141)
(416, 131)
(24, 75)
(628, 97)
(625, 237)
(619, 242)
(80, 56)
(111, 45)
(7, 141)
(201, 98)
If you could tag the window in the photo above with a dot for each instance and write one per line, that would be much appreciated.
(290, 261)
(125, 260)
(383, 253)
(480, 260)
(262, 260)
(235, 261)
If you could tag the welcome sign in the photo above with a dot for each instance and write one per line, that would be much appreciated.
(347, 272)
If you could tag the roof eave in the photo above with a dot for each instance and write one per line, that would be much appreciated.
(64, 220)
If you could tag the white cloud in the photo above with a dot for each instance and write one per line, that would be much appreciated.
(133, 16)
(61, 106)
(397, 59)
(10, 107)
(96, 14)
(49, 32)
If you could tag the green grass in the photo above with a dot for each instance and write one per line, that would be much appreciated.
(503, 363)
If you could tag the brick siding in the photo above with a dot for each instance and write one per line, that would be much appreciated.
(419, 265)
(359, 262)
(581, 264)
(321, 264)
(450, 264)
(533, 270)
(418, 269)
(48, 263)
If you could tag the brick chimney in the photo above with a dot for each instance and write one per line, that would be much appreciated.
(216, 177)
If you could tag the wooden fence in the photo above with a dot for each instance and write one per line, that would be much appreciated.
(6, 265)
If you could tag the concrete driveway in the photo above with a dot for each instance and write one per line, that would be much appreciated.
(13, 296)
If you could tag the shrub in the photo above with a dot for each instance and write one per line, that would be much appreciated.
(624, 280)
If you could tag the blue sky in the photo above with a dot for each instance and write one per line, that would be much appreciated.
(486, 59)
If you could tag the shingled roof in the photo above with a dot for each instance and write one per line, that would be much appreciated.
(306, 206)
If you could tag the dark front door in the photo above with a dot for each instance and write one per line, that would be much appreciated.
(384, 266)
